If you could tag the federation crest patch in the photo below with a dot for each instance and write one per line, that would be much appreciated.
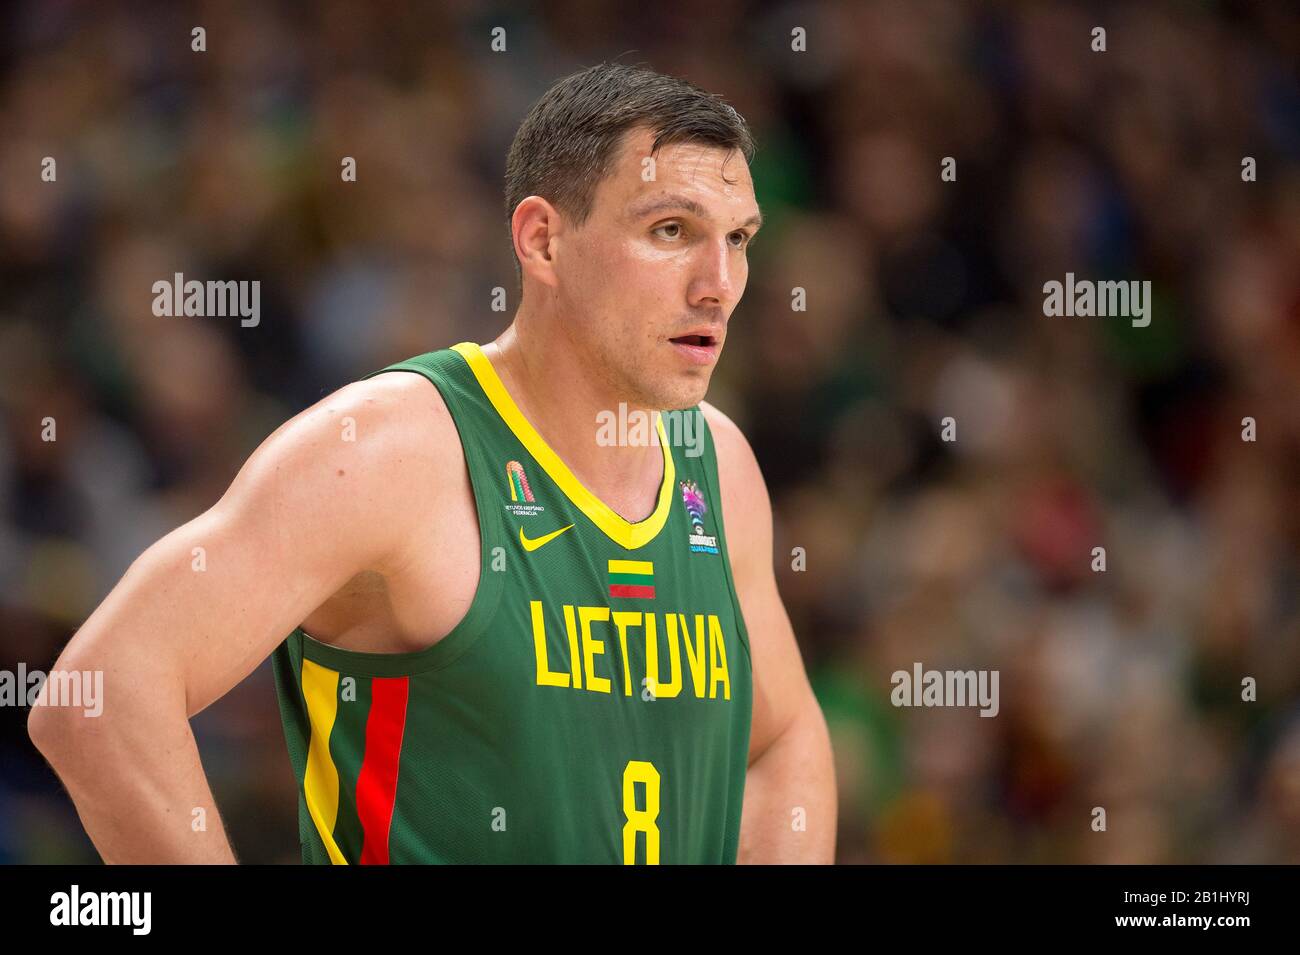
(522, 503)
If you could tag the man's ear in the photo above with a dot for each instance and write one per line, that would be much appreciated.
(536, 226)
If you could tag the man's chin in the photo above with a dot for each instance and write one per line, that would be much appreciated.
(670, 388)
(688, 395)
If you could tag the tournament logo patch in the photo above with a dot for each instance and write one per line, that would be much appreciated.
(521, 495)
(693, 498)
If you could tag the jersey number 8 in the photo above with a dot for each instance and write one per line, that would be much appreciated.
(640, 820)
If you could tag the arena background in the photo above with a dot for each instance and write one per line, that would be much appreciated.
(1120, 689)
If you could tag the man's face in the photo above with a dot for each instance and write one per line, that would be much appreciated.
(649, 281)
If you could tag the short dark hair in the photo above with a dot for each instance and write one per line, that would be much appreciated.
(566, 144)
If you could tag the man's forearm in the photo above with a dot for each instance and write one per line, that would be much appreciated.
(139, 790)
(790, 803)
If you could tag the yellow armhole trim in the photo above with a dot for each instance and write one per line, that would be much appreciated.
(620, 530)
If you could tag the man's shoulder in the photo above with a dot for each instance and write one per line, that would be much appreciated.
(389, 412)
(745, 502)
(389, 436)
(734, 453)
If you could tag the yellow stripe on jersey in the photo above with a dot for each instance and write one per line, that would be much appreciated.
(631, 567)
(320, 688)
(616, 527)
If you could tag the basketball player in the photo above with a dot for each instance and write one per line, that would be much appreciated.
(508, 639)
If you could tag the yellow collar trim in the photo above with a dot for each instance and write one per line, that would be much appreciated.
(616, 527)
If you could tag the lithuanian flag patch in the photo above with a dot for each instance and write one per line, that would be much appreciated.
(631, 578)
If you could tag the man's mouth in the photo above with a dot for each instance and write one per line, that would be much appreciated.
(705, 340)
(697, 348)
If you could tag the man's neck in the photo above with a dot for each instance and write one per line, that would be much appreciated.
(562, 399)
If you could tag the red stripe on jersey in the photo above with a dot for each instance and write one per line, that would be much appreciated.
(631, 590)
(377, 781)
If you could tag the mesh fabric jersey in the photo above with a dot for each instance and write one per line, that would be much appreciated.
(593, 705)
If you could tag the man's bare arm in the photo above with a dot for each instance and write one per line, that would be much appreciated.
(789, 810)
(203, 606)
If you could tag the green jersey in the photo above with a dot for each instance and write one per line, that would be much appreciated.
(594, 703)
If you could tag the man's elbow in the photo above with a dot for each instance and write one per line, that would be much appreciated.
(51, 731)
(68, 721)
(813, 741)
(805, 735)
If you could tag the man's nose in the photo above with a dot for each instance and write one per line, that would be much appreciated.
(714, 279)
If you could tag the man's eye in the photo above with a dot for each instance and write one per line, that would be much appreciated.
(670, 225)
(744, 239)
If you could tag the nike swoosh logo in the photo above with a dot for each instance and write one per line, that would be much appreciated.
(537, 542)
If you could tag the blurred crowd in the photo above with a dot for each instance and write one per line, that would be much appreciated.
(1120, 688)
